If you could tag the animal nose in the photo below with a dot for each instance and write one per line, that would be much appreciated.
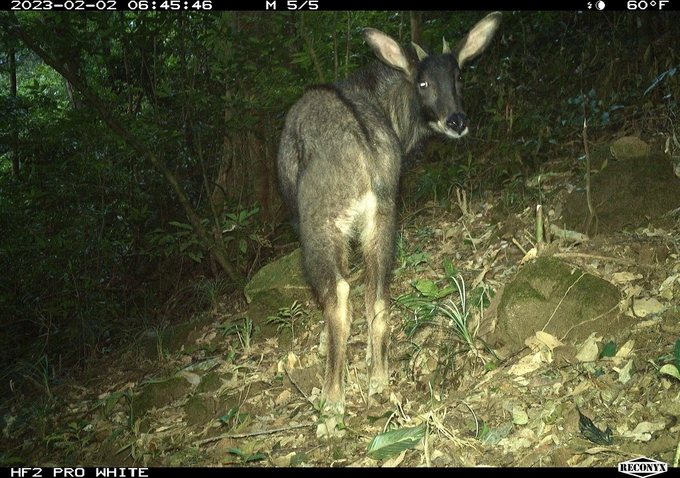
(457, 122)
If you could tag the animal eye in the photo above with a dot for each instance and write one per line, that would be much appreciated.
(460, 78)
(423, 84)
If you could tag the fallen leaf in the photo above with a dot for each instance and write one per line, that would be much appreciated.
(588, 352)
(627, 349)
(626, 373)
(645, 307)
(624, 277)
(527, 364)
(548, 340)
(519, 416)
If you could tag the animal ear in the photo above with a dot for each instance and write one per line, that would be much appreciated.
(387, 50)
(476, 41)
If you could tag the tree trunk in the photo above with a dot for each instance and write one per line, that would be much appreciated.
(13, 93)
(417, 28)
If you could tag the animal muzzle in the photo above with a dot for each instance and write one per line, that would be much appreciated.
(458, 123)
(455, 126)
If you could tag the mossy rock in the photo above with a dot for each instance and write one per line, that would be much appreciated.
(629, 193)
(160, 393)
(275, 286)
(562, 300)
(284, 275)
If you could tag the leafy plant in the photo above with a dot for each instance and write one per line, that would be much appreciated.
(432, 305)
(408, 258)
(211, 291)
(243, 232)
(233, 418)
(246, 456)
(423, 304)
(590, 105)
(240, 219)
(673, 368)
(439, 179)
(39, 375)
(181, 241)
(107, 404)
(243, 328)
(289, 318)
(666, 74)
(42, 410)
(458, 316)
(72, 438)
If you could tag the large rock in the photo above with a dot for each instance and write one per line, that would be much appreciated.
(284, 275)
(551, 296)
(278, 284)
(633, 192)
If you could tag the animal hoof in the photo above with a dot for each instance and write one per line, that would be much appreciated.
(377, 385)
(330, 427)
(331, 423)
(333, 408)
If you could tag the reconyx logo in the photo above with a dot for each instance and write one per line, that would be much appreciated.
(643, 467)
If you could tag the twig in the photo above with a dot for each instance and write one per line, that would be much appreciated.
(564, 296)
(253, 434)
(597, 317)
(514, 241)
(297, 386)
(540, 235)
(677, 454)
(591, 210)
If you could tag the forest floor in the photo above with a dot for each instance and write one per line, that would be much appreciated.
(218, 392)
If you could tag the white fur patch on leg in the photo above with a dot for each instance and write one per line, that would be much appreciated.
(379, 329)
